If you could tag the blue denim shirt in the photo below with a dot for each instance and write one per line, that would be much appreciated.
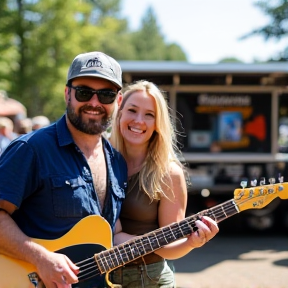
(48, 178)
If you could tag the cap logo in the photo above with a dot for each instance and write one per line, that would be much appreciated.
(94, 63)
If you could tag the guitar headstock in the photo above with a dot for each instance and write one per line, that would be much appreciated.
(257, 197)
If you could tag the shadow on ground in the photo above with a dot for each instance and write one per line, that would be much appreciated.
(223, 247)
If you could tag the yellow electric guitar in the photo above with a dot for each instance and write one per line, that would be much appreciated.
(89, 242)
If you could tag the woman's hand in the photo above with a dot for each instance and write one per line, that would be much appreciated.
(207, 228)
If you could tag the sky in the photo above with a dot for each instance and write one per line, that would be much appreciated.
(208, 30)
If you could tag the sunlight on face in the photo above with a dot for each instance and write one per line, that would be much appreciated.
(138, 118)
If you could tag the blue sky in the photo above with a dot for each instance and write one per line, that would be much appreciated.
(208, 30)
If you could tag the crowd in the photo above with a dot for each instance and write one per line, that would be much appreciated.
(10, 130)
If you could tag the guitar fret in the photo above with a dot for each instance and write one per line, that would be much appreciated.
(126, 255)
(186, 225)
(113, 257)
(163, 240)
(118, 255)
(101, 265)
(211, 215)
(137, 249)
(158, 244)
(147, 245)
(177, 230)
(223, 211)
(169, 236)
(172, 232)
(131, 254)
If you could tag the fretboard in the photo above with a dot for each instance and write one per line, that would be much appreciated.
(147, 243)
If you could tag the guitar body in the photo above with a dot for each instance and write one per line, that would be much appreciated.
(88, 237)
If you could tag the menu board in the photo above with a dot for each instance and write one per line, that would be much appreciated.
(225, 122)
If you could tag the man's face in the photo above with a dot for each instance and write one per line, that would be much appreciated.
(90, 117)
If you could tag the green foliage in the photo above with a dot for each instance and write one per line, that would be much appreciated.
(230, 60)
(278, 12)
(277, 28)
(40, 38)
(150, 44)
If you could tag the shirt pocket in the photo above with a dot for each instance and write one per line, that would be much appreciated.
(70, 198)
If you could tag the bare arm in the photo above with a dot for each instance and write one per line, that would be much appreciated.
(119, 236)
(174, 210)
(50, 266)
(170, 211)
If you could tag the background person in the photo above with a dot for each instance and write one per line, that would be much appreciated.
(157, 193)
(24, 126)
(54, 177)
(39, 122)
(6, 133)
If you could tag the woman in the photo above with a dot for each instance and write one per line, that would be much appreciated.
(157, 193)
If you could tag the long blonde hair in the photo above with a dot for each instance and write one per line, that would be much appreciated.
(154, 174)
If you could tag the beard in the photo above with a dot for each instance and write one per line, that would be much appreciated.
(90, 126)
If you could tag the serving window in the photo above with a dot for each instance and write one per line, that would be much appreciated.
(225, 122)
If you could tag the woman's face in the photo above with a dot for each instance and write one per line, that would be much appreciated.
(138, 118)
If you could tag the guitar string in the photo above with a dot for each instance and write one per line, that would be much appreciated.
(90, 263)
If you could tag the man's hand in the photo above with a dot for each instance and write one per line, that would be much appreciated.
(56, 270)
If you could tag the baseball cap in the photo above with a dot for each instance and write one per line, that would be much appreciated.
(96, 64)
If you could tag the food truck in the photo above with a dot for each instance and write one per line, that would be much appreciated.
(232, 120)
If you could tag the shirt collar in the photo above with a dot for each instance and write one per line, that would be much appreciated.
(63, 134)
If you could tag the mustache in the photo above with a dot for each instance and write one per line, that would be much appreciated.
(92, 108)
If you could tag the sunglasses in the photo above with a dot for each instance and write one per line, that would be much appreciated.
(84, 94)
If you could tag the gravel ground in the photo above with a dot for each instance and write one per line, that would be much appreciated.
(236, 262)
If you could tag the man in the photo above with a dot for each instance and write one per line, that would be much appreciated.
(39, 122)
(52, 178)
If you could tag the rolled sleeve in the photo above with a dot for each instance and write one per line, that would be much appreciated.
(18, 176)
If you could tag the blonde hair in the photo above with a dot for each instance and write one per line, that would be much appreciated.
(154, 174)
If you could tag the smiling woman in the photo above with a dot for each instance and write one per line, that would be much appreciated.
(157, 194)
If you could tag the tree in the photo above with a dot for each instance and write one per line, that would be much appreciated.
(277, 28)
(40, 38)
(150, 43)
(230, 60)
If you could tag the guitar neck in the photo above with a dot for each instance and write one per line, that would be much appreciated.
(136, 248)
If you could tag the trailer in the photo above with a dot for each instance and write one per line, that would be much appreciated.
(235, 120)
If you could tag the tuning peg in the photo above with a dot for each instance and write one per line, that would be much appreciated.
(262, 181)
(243, 184)
(272, 181)
(254, 182)
(280, 178)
